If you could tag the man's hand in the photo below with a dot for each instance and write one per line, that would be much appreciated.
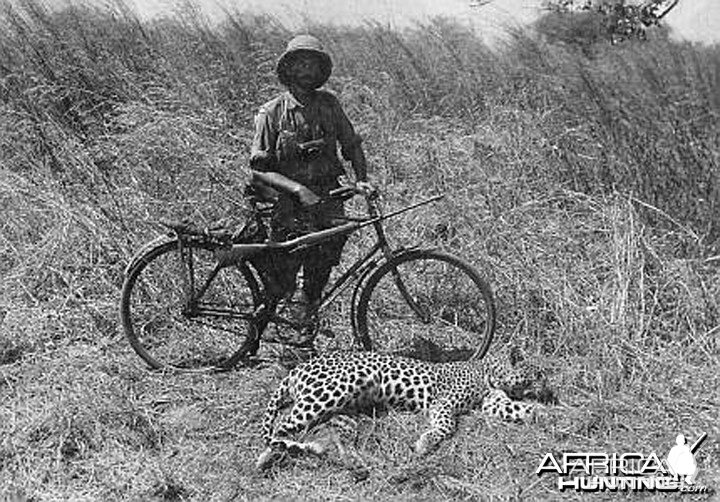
(366, 188)
(306, 196)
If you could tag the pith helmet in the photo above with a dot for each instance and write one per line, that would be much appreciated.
(303, 43)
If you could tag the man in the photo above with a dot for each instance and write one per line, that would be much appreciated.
(295, 155)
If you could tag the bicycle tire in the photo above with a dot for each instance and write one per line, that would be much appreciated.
(455, 300)
(151, 309)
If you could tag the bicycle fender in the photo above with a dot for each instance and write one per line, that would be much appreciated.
(161, 240)
(402, 251)
(357, 290)
(397, 255)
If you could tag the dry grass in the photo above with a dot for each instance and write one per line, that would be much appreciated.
(584, 188)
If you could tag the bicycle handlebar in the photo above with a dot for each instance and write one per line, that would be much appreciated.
(344, 192)
(347, 192)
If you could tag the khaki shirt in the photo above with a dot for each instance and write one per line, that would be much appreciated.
(284, 123)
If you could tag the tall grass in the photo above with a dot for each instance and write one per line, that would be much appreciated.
(583, 182)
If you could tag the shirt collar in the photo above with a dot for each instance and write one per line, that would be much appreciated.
(292, 102)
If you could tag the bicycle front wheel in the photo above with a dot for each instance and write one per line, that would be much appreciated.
(168, 327)
(427, 304)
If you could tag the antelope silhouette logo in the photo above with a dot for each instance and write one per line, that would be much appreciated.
(681, 459)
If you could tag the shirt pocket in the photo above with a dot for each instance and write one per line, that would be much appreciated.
(287, 146)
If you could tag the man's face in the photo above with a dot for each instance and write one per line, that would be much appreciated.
(306, 70)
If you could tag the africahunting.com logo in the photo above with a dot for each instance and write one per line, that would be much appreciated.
(593, 472)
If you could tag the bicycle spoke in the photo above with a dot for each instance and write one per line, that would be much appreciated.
(429, 305)
(164, 326)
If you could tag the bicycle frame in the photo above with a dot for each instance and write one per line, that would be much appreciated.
(362, 267)
(192, 293)
(231, 255)
(235, 254)
(193, 306)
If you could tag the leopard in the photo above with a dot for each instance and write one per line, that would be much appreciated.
(349, 383)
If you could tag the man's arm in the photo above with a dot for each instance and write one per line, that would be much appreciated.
(350, 142)
(284, 184)
(262, 150)
(263, 160)
(359, 163)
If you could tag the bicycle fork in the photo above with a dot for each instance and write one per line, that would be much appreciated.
(419, 311)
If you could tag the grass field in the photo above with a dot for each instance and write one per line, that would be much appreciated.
(583, 181)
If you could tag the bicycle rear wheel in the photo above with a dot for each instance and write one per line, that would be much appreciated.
(427, 304)
(170, 331)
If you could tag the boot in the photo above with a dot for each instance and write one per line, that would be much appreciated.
(309, 320)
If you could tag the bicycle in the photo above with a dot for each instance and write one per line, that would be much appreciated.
(191, 295)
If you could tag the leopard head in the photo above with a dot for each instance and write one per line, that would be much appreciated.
(519, 378)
